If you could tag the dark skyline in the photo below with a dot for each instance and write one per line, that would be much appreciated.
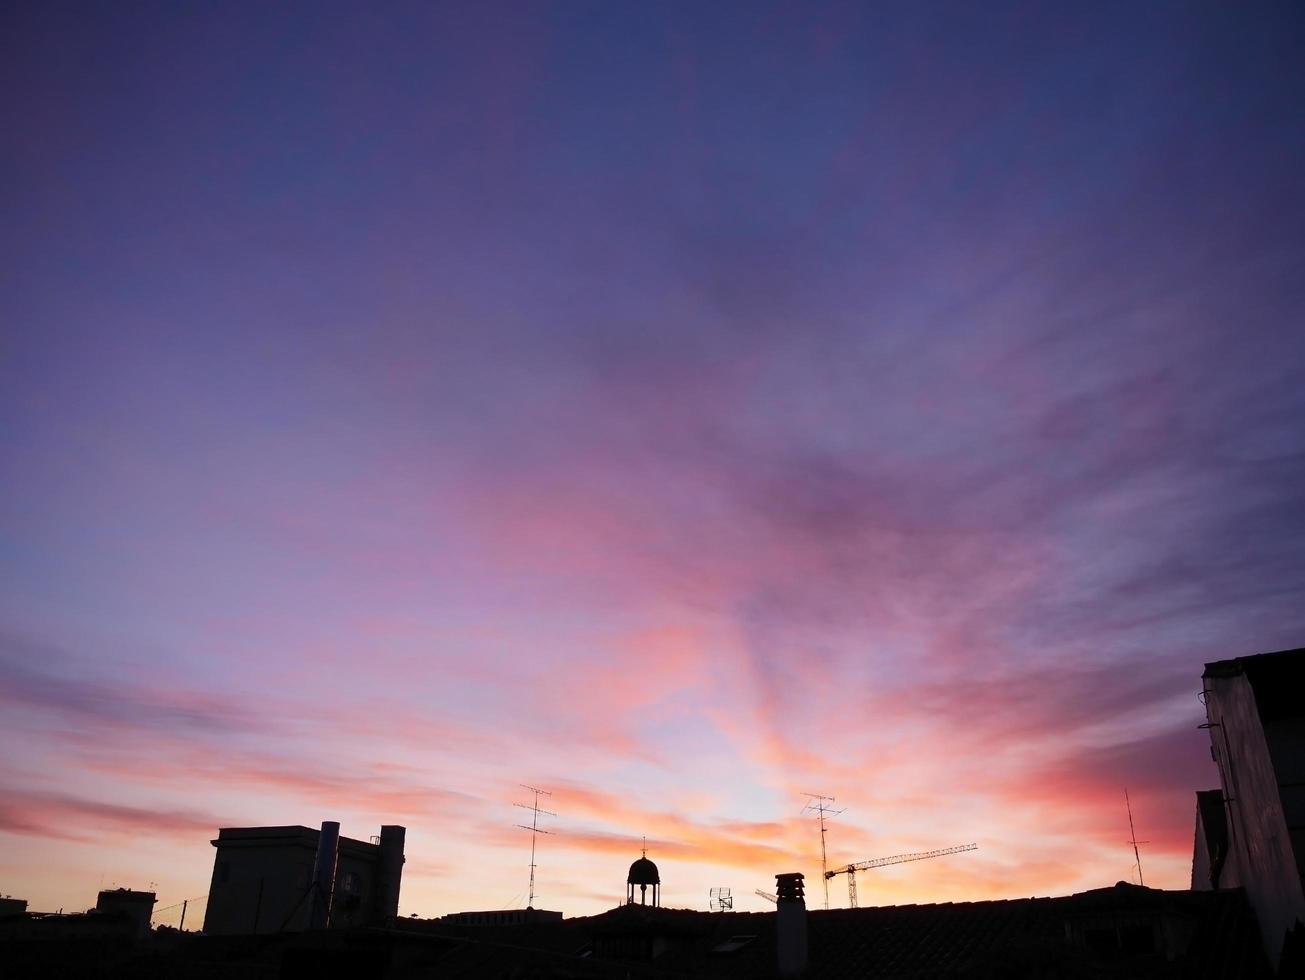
(679, 409)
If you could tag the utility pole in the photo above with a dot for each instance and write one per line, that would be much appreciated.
(819, 805)
(534, 832)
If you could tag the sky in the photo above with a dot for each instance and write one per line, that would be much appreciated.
(679, 407)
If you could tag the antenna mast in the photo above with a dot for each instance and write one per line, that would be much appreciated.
(1132, 835)
(535, 811)
(819, 805)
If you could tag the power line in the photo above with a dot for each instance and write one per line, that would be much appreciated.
(184, 905)
(169, 908)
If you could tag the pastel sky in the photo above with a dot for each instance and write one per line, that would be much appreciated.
(681, 407)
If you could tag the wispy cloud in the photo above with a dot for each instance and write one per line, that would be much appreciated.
(65, 817)
(45, 679)
(907, 424)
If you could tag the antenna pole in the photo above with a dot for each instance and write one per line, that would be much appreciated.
(1132, 837)
(819, 805)
(535, 811)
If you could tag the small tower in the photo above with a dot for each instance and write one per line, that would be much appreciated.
(643, 873)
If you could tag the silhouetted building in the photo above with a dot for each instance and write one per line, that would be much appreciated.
(644, 874)
(80, 944)
(12, 906)
(501, 917)
(1251, 833)
(273, 879)
(1109, 934)
(117, 925)
(1125, 931)
(137, 906)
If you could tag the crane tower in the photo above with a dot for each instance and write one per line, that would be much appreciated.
(851, 869)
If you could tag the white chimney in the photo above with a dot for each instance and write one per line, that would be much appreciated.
(790, 926)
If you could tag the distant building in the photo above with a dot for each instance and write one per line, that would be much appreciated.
(85, 941)
(1250, 834)
(501, 917)
(274, 879)
(117, 926)
(137, 906)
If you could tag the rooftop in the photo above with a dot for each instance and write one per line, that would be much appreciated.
(1116, 932)
(1120, 931)
(288, 836)
(1278, 680)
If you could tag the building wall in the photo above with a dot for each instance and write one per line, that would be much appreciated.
(281, 872)
(137, 906)
(1262, 858)
(1211, 862)
(278, 862)
(1200, 858)
(1286, 741)
(355, 888)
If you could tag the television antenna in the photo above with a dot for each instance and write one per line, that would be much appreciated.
(721, 900)
(535, 811)
(1132, 835)
(819, 805)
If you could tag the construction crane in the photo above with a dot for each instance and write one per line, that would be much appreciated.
(852, 869)
(770, 897)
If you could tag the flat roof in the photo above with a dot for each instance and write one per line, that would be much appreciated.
(286, 836)
(1277, 679)
(1255, 663)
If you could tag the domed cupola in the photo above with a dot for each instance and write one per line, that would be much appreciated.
(643, 873)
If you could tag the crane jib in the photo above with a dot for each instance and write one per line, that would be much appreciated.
(899, 859)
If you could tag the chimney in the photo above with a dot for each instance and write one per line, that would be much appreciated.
(328, 845)
(790, 926)
(389, 871)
